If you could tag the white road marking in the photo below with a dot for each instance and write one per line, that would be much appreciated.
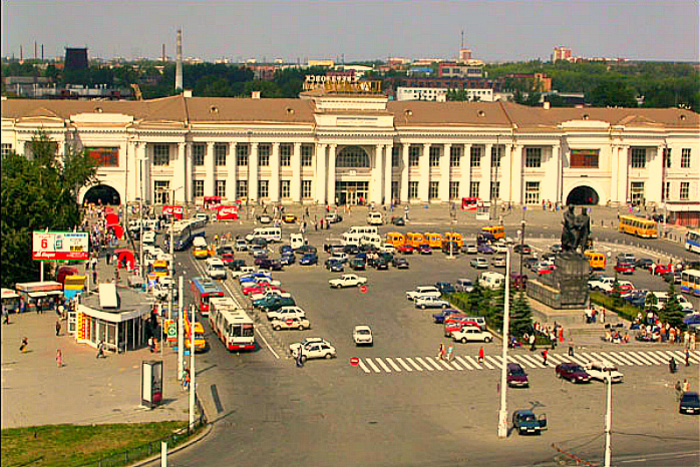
(382, 364)
(393, 365)
(556, 358)
(464, 362)
(631, 358)
(662, 355)
(652, 357)
(413, 364)
(374, 367)
(494, 361)
(473, 361)
(420, 360)
(444, 363)
(432, 362)
(408, 368)
(533, 360)
(488, 365)
(682, 356)
(640, 358)
(457, 367)
(613, 359)
(525, 361)
(364, 367)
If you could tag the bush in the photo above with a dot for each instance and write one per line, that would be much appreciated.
(624, 310)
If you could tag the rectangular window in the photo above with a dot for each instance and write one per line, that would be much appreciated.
(413, 156)
(639, 158)
(532, 192)
(306, 189)
(105, 157)
(264, 189)
(433, 190)
(242, 154)
(285, 189)
(264, 155)
(220, 151)
(242, 189)
(685, 158)
(198, 188)
(412, 190)
(533, 158)
(6, 149)
(495, 190)
(497, 152)
(454, 190)
(220, 189)
(307, 154)
(637, 192)
(667, 157)
(161, 154)
(584, 158)
(435, 156)
(667, 191)
(475, 156)
(285, 155)
(455, 156)
(198, 151)
(395, 156)
(395, 190)
(685, 190)
(474, 189)
(161, 191)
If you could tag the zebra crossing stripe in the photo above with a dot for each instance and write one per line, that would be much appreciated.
(420, 360)
(408, 368)
(694, 358)
(525, 361)
(455, 366)
(600, 357)
(613, 359)
(652, 357)
(464, 363)
(661, 355)
(382, 364)
(495, 362)
(393, 365)
(413, 364)
(668, 354)
(374, 367)
(640, 357)
(444, 363)
(432, 362)
(682, 356)
(625, 358)
(634, 358)
(556, 358)
(473, 362)
(488, 365)
(580, 359)
(364, 367)
(533, 360)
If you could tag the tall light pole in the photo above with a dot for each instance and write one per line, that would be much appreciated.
(503, 412)
(192, 375)
(172, 254)
(608, 421)
(143, 191)
(180, 329)
(522, 240)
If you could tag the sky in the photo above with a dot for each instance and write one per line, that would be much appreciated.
(495, 30)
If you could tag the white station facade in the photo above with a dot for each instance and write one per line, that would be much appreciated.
(348, 148)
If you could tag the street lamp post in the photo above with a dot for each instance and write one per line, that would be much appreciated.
(522, 240)
(608, 421)
(192, 372)
(503, 412)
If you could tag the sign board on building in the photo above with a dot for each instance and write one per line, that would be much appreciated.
(60, 246)
(341, 84)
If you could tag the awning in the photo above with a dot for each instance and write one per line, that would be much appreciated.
(45, 294)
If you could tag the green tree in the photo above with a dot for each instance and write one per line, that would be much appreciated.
(520, 316)
(38, 194)
(475, 300)
(672, 313)
(496, 306)
(612, 92)
(616, 292)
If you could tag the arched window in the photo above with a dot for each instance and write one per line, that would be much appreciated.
(352, 157)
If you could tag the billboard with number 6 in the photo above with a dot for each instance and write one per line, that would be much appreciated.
(60, 246)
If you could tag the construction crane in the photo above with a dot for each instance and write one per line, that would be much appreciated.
(137, 91)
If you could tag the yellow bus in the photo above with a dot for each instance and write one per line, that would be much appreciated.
(415, 239)
(200, 343)
(433, 239)
(396, 239)
(596, 260)
(454, 237)
(161, 268)
(497, 231)
(638, 226)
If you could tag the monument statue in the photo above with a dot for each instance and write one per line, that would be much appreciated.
(569, 231)
(583, 227)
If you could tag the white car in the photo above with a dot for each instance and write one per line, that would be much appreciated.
(291, 323)
(240, 245)
(149, 237)
(286, 312)
(294, 348)
(423, 290)
(479, 263)
(215, 268)
(428, 301)
(375, 218)
(362, 335)
(499, 247)
(603, 284)
(267, 294)
(599, 370)
(340, 256)
(317, 350)
(268, 280)
(388, 248)
(470, 249)
(161, 292)
(347, 280)
(471, 334)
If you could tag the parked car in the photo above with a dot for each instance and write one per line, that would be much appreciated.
(399, 262)
(599, 370)
(516, 376)
(464, 285)
(271, 264)
(347, 280)
(626, 257)
(340, 256)
(425, 249)
(479, 263)
(236, 264)
(525, 422)
(305, 249)
(287, 259)
(317, 350)
(661, 269)
(690, 403)
(334, 265)
(264, 218)
(423, 290)
(499, 262)
(289, 218)
(624, 268)
(471, 334)
(405, 249)
(309, 259)
(573, 372)
(426, 301)
(225, 253)
(522, 248)
(450, 248)
(445, 287)
(290, 323)
(398, 220)
(439, 318)
(333, 218)
(470, 249)
(484, 249)
(380, 264)
(358, 264)
(287, 311)
(294, 348)
(351, 249)
(644, 263)
(529, 262)
(362, 335)
(276, 302)
(500, 247)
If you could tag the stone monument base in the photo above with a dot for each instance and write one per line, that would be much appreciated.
(566, 288)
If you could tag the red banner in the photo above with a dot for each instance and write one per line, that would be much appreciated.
(175, 211)
(227, 213)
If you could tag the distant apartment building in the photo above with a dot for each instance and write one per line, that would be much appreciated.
(321, 62)
(561, 53)
(440, 94)
(544, 81)
(459, 70)
(263, 72)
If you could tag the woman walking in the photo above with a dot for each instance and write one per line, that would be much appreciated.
(59, 358)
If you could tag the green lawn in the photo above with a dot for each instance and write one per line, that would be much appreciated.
(66, 445)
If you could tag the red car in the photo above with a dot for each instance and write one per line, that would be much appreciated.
(405, 249)
(258, 288)
(661, 269)
(624, 268)
(457, 325)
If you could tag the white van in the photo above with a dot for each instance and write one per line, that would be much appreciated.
(375, 218)
(296, 240)
(149, 238)
(215, 268)
(363, 230)
(270, 234)
(351, 238)
(372, 239)
(491, 280)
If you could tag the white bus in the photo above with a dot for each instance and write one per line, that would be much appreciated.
(692, 241)
(231, 324)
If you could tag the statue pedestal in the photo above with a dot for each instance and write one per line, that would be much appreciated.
(566, 287)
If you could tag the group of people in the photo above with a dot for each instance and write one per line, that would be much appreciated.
(614, 336)
(445, 353)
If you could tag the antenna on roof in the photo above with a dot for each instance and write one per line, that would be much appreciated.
(462, 45)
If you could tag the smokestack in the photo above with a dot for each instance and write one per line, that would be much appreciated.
(178, 63)
(162, 56)
(21, 54)
(42, 53)
(36, 55)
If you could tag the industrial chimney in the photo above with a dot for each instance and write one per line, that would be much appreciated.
(178, 62)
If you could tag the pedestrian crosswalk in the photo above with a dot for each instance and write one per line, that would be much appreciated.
(534, 361)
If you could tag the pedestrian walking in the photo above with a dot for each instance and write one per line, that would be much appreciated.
(23, 345)
(441, 352)
(686, 385)
(100, 350)
(94, 276)
(544, 357)
(450, 353)
(571, 347)
(692, 341)
(59, 358)
(58, 327)
(481, 355)
(300, 358)
(5, 315)
(687, 357)
(532, 342)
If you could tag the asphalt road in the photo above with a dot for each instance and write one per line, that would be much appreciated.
(333, 413)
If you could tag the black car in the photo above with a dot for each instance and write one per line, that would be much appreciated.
(398, 220)
(304, 249)
(399, 262)
(268, 263)
(331, 247)
(236, 264)
(358, 264)
(259, 241)
(644, 263)
(380, 264)
(445, 287)
(351, 249)
(529, 262)
(690, 403)
(287, 259)
(524, 248)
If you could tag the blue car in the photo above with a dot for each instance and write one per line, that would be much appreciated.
(288, 258)
(444, 287)
(484, 249)
(309, 259)
(334, 265)
(251, 277)
(440, 317)
(692, 319)
(285, 249)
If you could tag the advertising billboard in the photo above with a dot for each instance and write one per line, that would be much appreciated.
(60, 246)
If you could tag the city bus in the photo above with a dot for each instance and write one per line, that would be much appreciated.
(690, 282)
(638, 226)
(233, 326)
(185, 231)
(692, 241)
(497, 231)
(204, 289)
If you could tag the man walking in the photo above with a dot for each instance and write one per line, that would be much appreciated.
(481, 355)
(58, 327)
(571, 347)
(687, 357)
(532, 342)
(100, 350)
(544, 357)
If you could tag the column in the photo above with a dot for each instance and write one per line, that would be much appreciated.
(555, 174)
(210, 168)
(321, 173)
(505, 173)
(253, 173)
(388, 167)
(465, 167)
(517, 175)
(331, 174)
(655, 177)
(147, 183)
(424, 180)
(180, 174)
(614, 173)
(189, 174)
(295, 184)
(275, 173)
(404, 172)
(444, 188)
(623, 193)
(485, 185)
(375, 193)
(232, 183)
